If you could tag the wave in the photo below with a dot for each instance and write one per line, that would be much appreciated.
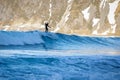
(47, 40)
(19, 67)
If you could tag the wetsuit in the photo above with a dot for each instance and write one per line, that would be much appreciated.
(46, 27)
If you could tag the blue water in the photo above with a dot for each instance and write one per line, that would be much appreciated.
(60, 68)
(36, 55)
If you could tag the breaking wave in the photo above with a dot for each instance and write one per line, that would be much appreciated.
(56, 41)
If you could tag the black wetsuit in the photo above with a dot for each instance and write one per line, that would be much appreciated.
(46, 27)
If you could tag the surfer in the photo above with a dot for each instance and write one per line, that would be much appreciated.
(46, 26)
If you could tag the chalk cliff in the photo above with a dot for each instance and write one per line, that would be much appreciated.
(82, 17)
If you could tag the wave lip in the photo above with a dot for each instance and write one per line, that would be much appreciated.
(20, 38)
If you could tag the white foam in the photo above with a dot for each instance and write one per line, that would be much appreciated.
(54, 53)
(56, 29)
(18, 29)
(6, 27)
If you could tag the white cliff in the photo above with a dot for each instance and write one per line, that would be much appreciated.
(82, 17)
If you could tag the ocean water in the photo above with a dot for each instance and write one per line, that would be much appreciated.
(37, 55)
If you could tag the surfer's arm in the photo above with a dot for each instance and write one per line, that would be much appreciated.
(49, 26)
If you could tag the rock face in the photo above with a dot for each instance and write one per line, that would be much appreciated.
(83, 17)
